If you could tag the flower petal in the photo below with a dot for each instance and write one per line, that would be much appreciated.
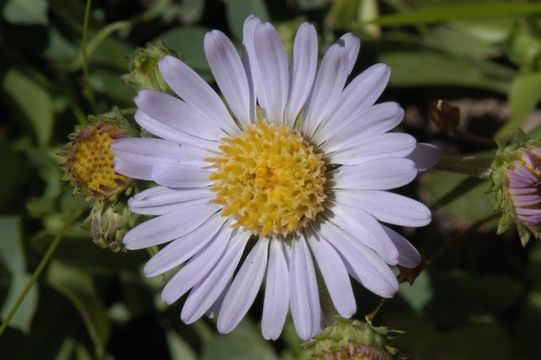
(165, 228)
(201, 264)
(425, 156)
(276, 302)
(335, 275)
(328, 86)
(363, 264)
(182, 249)
(302, 70)
(161, 200)
(176, 176)
(190, 87)
(303, 290)
(133, 170)
(205, 294)
(352, 44)
(244, 288)
(177, 114)
(375, 175)
(388, 145)
(273, 69)
(408, 256)
(390, 208)
(228, 70)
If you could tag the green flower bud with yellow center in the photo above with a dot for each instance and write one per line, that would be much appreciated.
(89, 161)
(144, 72)
(352, 340)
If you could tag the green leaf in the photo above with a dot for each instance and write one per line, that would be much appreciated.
(178, 347)
(419, 294)
(79, 288)
(26, 12)
(189, 42)
(244, 343)
(238, 10)
(414, 68)
(33, 101)
(454, 12)
(524, 94)
(12, 256)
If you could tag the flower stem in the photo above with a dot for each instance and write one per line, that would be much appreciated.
(88, 92)
(477, 165)
(35, 276)
(372, 315)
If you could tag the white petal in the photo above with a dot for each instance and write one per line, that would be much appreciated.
(388, 145)
(161, 200)
(303, 290)
(375, 175)
(362, 124)
(335, 275)
(273, 69)
(250, 59)
(329, 83)
(180, 250)
(177, 114)
(362, 263)
(176, 176)
(165, 228)
(276, 302)
(352, 45)
(363, 227)
(408, 256)
(244, 288)
(361, 93)
(133, 170)
(425, 156)
(390, 208)
(228, 70)
(302, 71)
(150, 151)
(195, 91)
(165, 131)
(198, 267)
(204, 294)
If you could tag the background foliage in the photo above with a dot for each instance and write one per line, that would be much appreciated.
(480, 296)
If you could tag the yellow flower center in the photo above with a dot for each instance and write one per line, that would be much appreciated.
(269, 179)
(91, 161)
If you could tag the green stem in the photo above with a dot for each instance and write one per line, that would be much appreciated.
(87, 87)
(35, 276)
(473, 165)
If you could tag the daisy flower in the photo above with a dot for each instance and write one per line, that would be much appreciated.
(292, 166)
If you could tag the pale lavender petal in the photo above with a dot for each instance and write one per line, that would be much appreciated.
(133, 170)
(276, 302)
(176, 176)
(161, 200)
(408, 256)
(425, 156)
(352, 45)
(335, 275)
(228, 70)
(244, 288)
(375, 175)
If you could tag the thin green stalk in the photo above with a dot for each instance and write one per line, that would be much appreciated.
(35, 276)
(89, 93)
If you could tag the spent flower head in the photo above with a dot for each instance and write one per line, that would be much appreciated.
(294, 166)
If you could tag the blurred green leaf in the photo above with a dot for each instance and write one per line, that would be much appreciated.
(12, 256)
(26, 12)
(33, 101)
(178, 347)
(452, 12)
(419, 294)
(78, 287)
(524, 94)
(244, 343)
(307, 5)
(415, 68)
(189, 42)
(238, 10)
(456, 40)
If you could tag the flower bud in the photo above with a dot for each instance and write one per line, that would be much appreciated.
(352, 340)
(144, 72)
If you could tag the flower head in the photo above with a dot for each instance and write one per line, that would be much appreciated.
(515, 180)
(293, 166)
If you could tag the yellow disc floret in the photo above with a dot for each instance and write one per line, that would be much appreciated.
(91, 160)
(269, 179)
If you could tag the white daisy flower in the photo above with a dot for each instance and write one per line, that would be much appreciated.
(294, 166)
